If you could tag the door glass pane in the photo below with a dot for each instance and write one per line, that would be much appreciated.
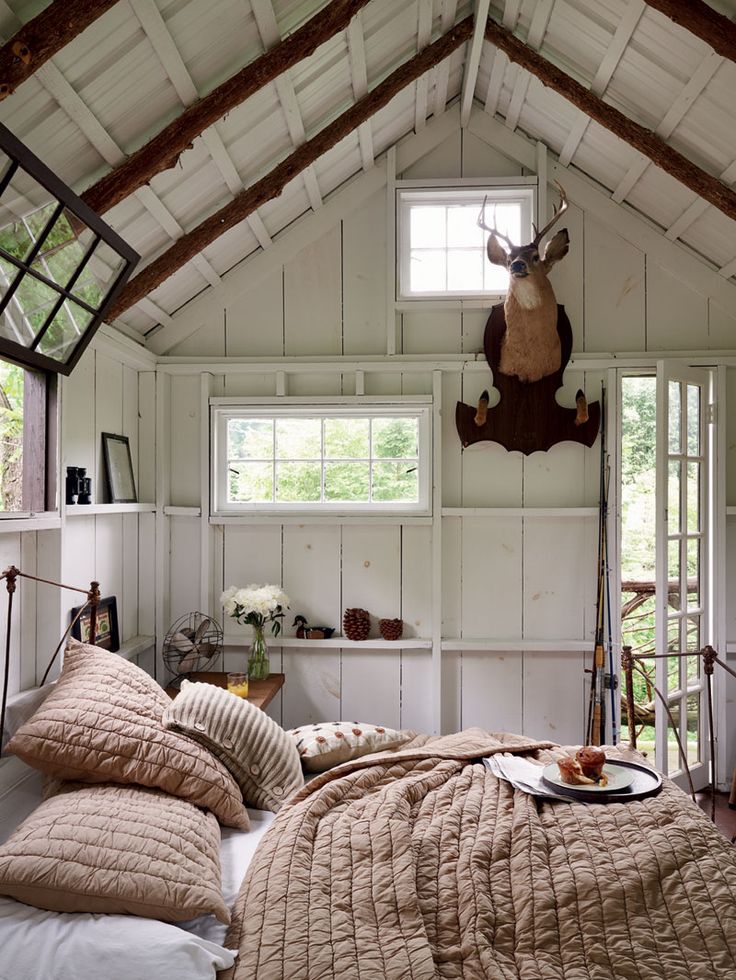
(693, 669)
(673, 495)
(693, 420)
(674, 763)
(693, 497)
(693, 728)
(692, 640)
(675, 422)
(673, 562)
(693, 573)
(673, 663)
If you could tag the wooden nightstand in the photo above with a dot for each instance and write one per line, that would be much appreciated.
(260, 693)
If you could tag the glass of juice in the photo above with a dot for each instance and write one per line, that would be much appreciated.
(238, 684)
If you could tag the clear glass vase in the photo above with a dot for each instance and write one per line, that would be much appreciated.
(258, 664)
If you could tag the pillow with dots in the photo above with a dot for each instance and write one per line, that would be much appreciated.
(330, 743)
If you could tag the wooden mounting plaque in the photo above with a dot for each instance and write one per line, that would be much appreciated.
(528, 418)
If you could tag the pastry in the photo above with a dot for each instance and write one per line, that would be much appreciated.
(591, 761)
(571, 772)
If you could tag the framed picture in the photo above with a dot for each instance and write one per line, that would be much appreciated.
(106, 634)
(119, 469)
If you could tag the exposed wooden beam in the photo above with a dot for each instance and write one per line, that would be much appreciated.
(537, 30)
(609, 64)
(162, 152)
(42, 37)
(442, 71)
(702, 20)
(688, 94)
(268, 28)
(690, 215)
(633, 133)
(500, 61)
(424, 36)
(274, 182)
(472, 60)
(359, 80)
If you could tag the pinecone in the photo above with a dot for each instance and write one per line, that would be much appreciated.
(391, 629)
(356, 624)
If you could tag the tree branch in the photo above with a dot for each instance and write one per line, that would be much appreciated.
(652, 146)
(163, 151)
(703, 21)
(42, 37)
(270, 186)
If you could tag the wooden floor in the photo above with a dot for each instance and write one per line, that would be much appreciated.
(725, 817)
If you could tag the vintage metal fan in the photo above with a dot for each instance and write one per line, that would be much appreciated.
(191, 645)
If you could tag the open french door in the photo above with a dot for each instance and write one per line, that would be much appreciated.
(685, 428)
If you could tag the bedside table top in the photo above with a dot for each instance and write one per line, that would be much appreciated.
(260, 693)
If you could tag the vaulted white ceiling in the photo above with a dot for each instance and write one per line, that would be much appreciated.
(134, 70)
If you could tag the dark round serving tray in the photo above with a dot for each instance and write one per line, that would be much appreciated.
(647, 782)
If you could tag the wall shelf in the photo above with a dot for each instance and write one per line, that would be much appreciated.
(564, 512)
(341, 643)
(84, 510)
(135, 646)
(182, 511)
(30, 522)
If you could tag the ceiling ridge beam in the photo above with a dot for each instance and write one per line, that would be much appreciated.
(631, 132)
(609, 63)
(163, 150)
(472, 60)
(273, 182)
(43, 36)
(703, 21)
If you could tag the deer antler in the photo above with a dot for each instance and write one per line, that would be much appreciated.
(494, 231)
(559, 211)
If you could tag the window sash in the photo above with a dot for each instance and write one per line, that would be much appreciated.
(419, 408)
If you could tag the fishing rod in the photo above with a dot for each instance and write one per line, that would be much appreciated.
(596, 698)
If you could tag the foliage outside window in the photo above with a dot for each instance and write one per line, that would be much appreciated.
(320, 458)
(27, 441)
(442, 250)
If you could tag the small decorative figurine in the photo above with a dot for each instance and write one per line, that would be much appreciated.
(306, 632)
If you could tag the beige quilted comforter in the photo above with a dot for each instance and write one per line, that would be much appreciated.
(419, 864)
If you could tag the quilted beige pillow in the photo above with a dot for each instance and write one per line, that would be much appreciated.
(102, 723)
(331, 742)
(118, 849)
(257, 751)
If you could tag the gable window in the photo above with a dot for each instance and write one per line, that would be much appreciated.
(441, 248)
(350, 457)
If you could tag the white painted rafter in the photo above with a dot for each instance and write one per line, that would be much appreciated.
(608, 65)
(172, 62)
(698, 207)
(729, 269)
(688, 94)
(500, 61)
(537, 30)
(424, 36)
(359, 81)
(442, 71)
(268, 28)
(472, 59)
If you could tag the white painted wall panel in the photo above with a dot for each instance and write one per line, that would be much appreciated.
(614, 292)
(677, 316)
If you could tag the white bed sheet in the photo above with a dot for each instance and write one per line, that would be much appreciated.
(39, 945)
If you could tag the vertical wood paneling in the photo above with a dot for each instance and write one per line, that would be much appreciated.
(313, 298)
(677, 316)
(108, 414)
(481, 160)
(184, 574)
(78, 415)
(416, 690)
(109, 556)
(615, 315)
(554, 697)
(492, 577)
(252, 553)
(432, 333)
(255, 324)
(128, 613)
(556, 566)
(568, 276)
(364, 278)
(146, 574)
(416, 581)
(492, 691)
(147, 436)
(184, 441)
(11, 553)
(312, 690)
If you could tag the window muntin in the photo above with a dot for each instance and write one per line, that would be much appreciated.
(346, 458)
(442, 251)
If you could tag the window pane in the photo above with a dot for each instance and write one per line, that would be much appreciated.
(693, 573)
(693, 497)
(11, 436)
(496, 278)
(250, 438)
(250, 482)
(346, 481)
(14, 325)
(428, 273)
(346, 438)
(61, 336)
(673, 497)
(395, 438)
(465, 270)
(462, 227)
(673, 562)
(427, 227)
(298, 481)
(675, 418)
(693, 729)
(396, 481)
(298, 438)
(693, 420)
(103, 268)
(35, 299)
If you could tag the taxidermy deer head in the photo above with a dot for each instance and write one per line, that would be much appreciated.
(530, 349)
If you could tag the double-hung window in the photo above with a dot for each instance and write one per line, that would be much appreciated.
(442, 249)
(349, 456)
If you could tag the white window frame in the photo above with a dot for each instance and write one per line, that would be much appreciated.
(224, 409)
(500, 190)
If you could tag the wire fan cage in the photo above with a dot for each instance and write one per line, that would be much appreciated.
(191, 645)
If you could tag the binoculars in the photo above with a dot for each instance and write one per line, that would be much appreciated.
(78, 485)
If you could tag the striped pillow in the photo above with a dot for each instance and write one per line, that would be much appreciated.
(260, 755)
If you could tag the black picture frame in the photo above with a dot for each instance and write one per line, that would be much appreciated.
(119, 469)
(107, 635)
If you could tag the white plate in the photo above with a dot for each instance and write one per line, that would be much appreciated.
(619, 778)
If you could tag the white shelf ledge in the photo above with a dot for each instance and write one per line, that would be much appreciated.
(84, 510)
(135, 646)
(341, 643)
(30, 522)
(511, 646)
(730, 511)
(565, 512)
(183, 511)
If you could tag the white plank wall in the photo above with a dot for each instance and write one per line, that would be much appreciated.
(504, 578)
